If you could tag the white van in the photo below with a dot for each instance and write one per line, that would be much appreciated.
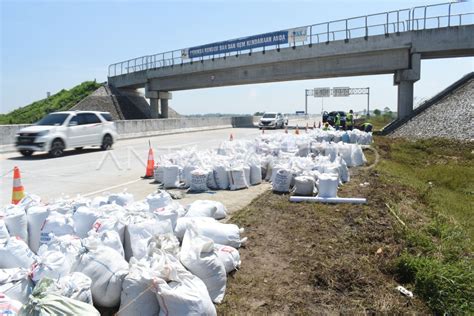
(70, 129)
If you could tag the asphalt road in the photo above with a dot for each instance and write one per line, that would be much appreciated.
(92, 171)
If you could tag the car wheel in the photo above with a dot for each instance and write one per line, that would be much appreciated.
(107, 142)
(79, 148)
(57, 148)
(26, 153)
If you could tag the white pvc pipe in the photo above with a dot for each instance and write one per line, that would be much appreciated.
(327, 200)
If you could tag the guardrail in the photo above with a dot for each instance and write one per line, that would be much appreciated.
(414, 19)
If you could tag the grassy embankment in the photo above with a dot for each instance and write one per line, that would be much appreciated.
(61, 101)
(437, 258)
(416, 230)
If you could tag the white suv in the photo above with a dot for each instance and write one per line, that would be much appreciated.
(71, 129)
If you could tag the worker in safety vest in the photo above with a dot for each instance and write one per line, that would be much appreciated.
(367, 127)
(337, 123)
(350, 120)
(326, 126)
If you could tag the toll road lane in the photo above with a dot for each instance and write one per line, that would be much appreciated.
(93, 171)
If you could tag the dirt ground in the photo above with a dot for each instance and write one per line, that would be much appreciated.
(319, 258)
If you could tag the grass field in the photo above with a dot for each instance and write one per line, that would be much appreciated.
(436, 204)
(416, 230)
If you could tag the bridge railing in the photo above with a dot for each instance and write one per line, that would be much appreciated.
(386, 23)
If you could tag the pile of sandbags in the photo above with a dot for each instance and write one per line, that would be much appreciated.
(114, 252)
(277, 158)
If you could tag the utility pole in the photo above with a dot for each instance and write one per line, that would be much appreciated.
(306, 93)
(368, 100)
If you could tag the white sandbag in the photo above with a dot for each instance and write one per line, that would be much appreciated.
(77, 286)
(51, 264)
(247, 174)
(16, 222)
(16, 283)
(345, 151)
(9, 306)
(220, 176)
(171, 176)
(110, 222)
(343, 170)
(121, 199)
(282, 181)
(211, 181)
(331, 151)
(4, 235)
(36, 216)
(30, 200)
(68, 245)
(183, 222)
(167, 243)
(158, 173)
(229, 256)
(358, 156)
(187, 174)
(109, 238)
(237, 179)
(327, 185)
(98, 201)
(207, 208)
(138, 296)
(106, 268)
(15, 253)
(189, 296)
(199, 180)
(158, 200)
(255, 174)
(46, 303)
(138, 207)
(224, 234)
(141, 233)
(170, 212)
(304, 186)
(84, 218)
(166, 266)
(56, 224)
(198, 256)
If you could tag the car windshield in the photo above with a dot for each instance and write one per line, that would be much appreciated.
(269, 115)
(53, 119)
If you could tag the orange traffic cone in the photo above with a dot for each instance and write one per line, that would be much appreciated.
(18, 190)
(297, 131)
(231, 138)
(150, 164)
(286, 129)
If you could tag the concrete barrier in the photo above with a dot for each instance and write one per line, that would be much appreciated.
(8, 132)
(140, 128)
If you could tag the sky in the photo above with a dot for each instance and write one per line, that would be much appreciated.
(50, 45)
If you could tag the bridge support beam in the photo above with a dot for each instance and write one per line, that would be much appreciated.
(405, 80)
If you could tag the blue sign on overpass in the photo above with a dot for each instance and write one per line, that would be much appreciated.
(261, 40)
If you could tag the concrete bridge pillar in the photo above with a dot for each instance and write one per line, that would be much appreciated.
(154, 108)
(164, 97)
(405, 79)
(158, 102)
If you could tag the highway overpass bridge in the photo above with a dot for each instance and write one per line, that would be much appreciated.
(392, 42)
